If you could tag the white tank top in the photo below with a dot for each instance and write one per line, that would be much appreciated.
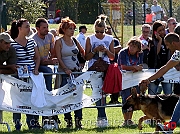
(94, 41)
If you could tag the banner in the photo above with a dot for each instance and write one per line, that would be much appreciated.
(15, 96)
(132, 79)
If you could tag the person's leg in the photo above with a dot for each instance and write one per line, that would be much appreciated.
(167, 88)
(68, 119)
(17, 120)
(101, 111)
(152, 88)
(127, 115)
(48, 78)
(78, 118)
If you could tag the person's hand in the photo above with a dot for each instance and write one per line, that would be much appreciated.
(35, 71)
(146, 81)
(158, 36)
(67, 71)
(100, 48)
(137, 68)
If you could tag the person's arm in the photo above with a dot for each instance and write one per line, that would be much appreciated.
(110, 51)
(170, 64)
(58, 49)
(37, 61)
(88, 53)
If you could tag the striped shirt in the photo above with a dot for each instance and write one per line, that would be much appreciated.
(25, 54)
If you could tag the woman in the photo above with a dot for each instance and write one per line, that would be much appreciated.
(100, 45)
(130, 59)
(27, 54)
(66, 52)
(158, 57)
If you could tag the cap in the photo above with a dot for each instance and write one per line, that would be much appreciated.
(6, 37)
(82, 27)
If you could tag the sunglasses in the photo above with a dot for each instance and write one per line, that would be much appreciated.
(99, 32)
(174, 23)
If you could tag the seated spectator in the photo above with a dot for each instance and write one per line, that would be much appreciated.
(51, 19)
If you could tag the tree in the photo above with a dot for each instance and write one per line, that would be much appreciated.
(30, 10)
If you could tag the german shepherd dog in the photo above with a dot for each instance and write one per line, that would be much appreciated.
(156, 107)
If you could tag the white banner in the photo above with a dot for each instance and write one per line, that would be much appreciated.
(15, 96)
(132, 79)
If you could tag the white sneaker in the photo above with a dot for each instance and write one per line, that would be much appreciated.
(102, 123)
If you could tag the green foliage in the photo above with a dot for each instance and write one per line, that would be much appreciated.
(22, 9)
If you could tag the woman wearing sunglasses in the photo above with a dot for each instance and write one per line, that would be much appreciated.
(100, 45)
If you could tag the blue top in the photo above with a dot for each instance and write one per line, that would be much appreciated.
(129, 60)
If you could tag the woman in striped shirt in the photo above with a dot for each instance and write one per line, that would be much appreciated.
(27, 54)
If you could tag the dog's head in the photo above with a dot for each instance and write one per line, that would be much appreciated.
(132, 102)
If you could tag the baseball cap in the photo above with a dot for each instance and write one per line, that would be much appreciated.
(82, 27)
(6, 37)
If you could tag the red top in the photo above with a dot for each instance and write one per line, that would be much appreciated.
(115, 7)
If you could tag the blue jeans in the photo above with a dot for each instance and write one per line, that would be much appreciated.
(101, 111)
(176, 113)
(152, 88)
(125, 93)
(78, 113)
(48, 78)
(30, 119)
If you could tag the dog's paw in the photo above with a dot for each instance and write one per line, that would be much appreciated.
(140, 127)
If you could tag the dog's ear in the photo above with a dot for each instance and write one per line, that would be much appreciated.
(143, 88)
(134, 92)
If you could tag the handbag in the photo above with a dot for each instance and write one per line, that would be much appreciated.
(79, 56)
(100, 66)
(71, 82)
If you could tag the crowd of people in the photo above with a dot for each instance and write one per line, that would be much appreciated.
(153, 49)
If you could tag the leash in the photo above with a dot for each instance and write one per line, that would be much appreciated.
(159, 94)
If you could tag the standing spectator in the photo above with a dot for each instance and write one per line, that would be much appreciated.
(157, 10)
(7, 54)
(171, 24)
(117, 48)
(82, 40)
(158, 56)
(66, 51)
(45, 44)
(55, 33)
(81, 36)
(145, 39)
(130, 59)
(95, 45)
(115, 13)
(129, 17)
(27, 54)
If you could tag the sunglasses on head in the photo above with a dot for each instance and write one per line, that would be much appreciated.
(99, 31)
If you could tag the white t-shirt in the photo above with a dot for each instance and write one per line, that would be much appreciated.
(81, 39)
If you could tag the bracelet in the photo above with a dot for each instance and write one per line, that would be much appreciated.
(93, 52)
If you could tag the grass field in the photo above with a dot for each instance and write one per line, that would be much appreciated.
(114, 114)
